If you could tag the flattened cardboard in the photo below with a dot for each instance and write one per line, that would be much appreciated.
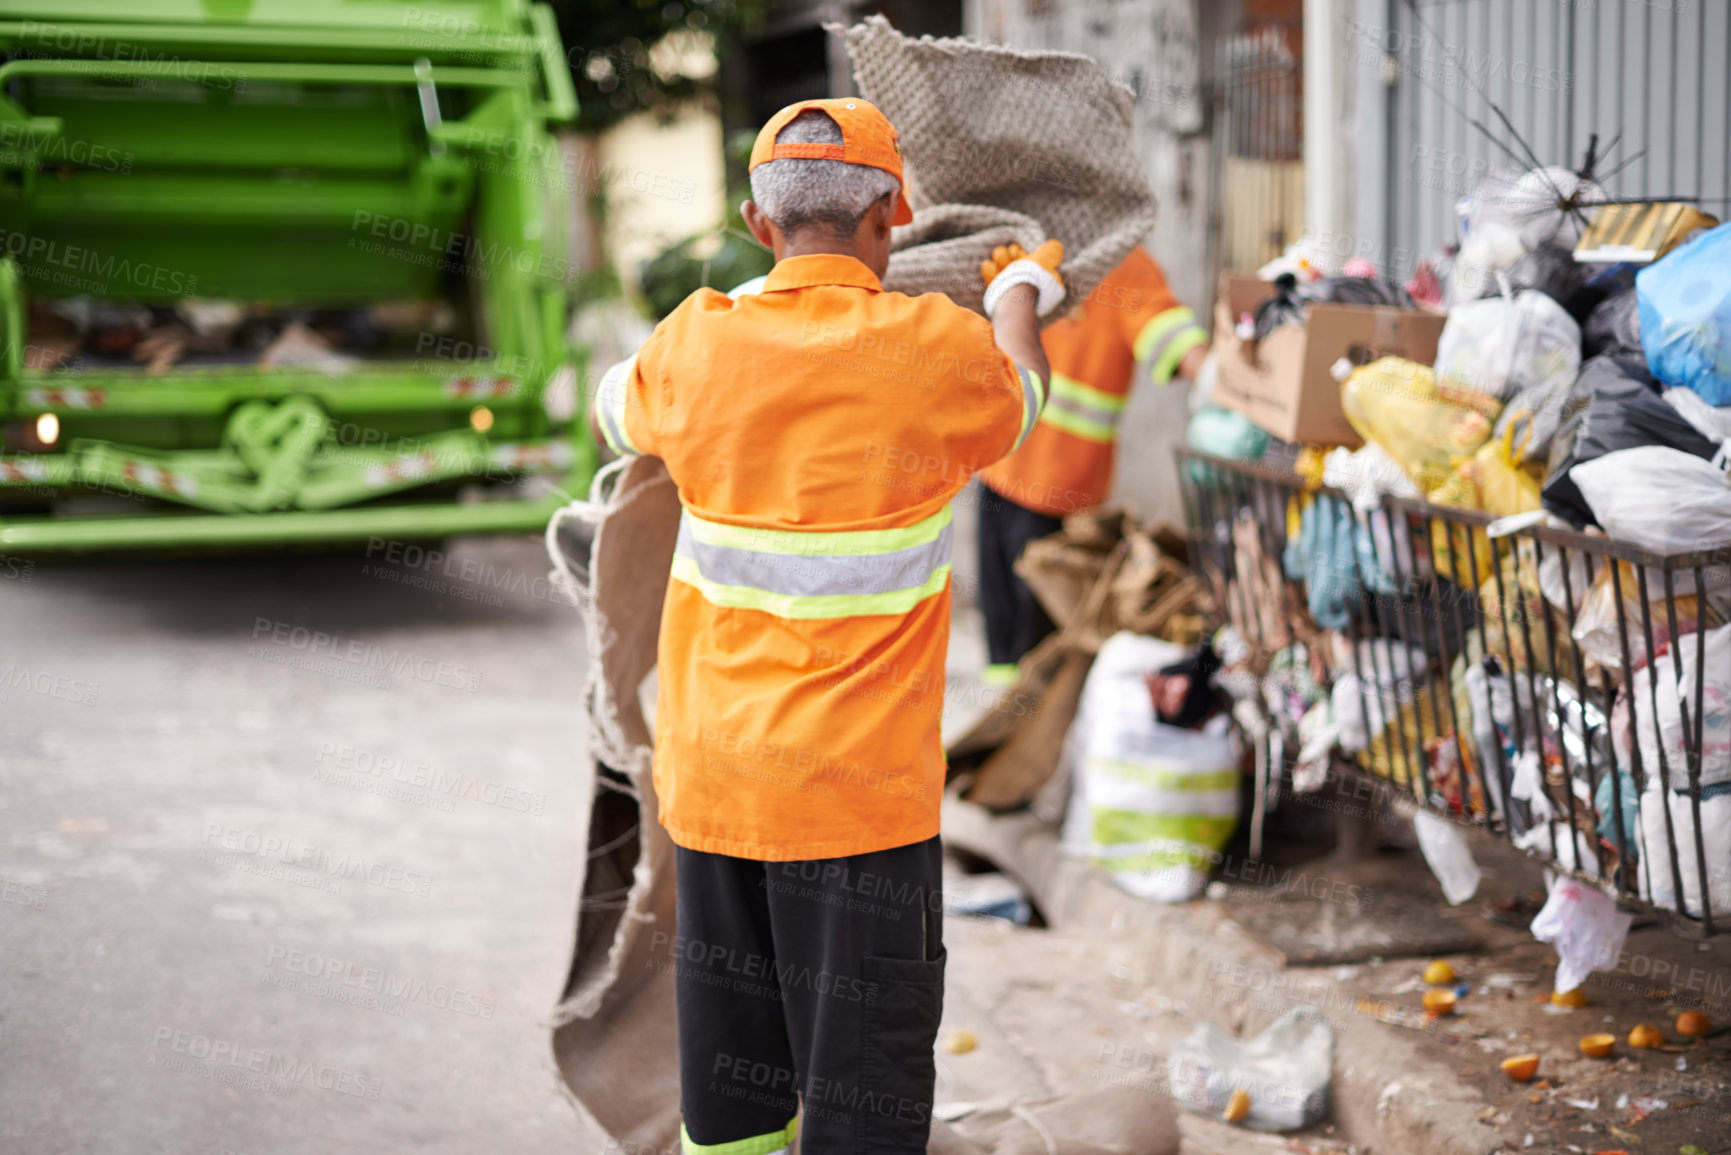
(1283, 383)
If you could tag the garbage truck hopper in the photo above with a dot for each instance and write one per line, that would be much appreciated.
(283, 272)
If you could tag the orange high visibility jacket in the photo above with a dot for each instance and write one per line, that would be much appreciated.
(1130, 318)
(816, 431)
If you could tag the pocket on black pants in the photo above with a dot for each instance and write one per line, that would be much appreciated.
(899, 1028)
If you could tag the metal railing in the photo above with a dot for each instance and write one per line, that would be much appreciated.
(1563, 690)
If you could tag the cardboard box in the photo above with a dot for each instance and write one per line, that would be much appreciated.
(1284, 383)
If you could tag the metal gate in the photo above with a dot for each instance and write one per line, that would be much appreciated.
(1648, 76)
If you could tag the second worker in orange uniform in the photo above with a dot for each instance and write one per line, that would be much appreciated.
(1066, 464)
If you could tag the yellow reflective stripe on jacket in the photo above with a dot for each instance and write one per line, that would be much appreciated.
(611, 399)
(1083, 410)
(1033, 402)
(1165, 339)
(808, 574)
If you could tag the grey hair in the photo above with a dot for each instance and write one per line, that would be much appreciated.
(830, 194)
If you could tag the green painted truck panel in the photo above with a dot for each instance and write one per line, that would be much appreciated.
(335, 155)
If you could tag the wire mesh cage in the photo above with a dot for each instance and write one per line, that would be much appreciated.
(1563, 690)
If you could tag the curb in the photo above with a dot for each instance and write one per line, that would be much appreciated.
(1183, 950)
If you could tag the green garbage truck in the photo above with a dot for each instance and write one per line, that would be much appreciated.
(283, 272)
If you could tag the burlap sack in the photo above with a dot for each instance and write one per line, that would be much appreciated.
(615, 1038)
(1003, 146)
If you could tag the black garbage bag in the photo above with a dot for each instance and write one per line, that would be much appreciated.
(1359, 291)
(1551, 269)
(1286, 307)
(1614, 326)
(1614, 405)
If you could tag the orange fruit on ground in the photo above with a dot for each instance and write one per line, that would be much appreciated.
(1645, 1036)
(1693, 1023)
(1597, 1046)
(1237, 1107)
(1574, 998)
(1438, 973)
(1440, 1001)
(1520, 1068)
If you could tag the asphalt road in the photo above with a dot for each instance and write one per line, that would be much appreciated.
(288, 853)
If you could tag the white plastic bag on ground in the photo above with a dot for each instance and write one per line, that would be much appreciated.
(1286, 1070)
(1658, 884)
(1154, 803)
(1674, 694)
(1663, 500)
(1450, 858)
(1586, 928)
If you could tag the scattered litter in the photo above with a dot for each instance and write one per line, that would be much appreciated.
(1294, 1055)
(1586, 928)
(1584, 1104)
(1389, 1094)
(960, 1042)
(1450, 858)
(1682, 1063)
(990, 895)
(1504, 979)
(1646, 1104)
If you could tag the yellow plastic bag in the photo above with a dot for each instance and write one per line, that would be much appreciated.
(1489, 480)
(1396, 403)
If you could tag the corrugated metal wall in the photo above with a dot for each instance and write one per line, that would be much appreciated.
(1654, 71)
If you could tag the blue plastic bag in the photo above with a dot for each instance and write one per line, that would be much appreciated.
(1685, 305)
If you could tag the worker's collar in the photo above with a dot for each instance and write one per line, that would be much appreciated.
(820, 269)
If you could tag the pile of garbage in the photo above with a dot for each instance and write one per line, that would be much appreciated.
(1499, 665)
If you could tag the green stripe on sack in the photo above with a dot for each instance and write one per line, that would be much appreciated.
(1142, 775)
(819, 543)
(1112, 827)
(807, 608)
(756, 1145)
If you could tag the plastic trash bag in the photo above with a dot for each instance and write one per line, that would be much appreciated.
(1685, 303)
(1286, 1069)
(1509, 346)
(1663, 500)
(1664, 694)
(1658, 883)
(1154, 804)
(1449, 856)
(1712, 421)
(1614, 326)
(1396, 403)
(1491, 480)
(1347, 290)
(1285, 307)
(1596, 623)
(1549, 269)
(1334, 552)
(1615, 405)
(1223, 433)
(1586, 928)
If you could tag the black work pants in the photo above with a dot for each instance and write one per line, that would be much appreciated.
(1015, 622)
(814, 984)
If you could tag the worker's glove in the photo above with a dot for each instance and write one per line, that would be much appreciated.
(1010, 266)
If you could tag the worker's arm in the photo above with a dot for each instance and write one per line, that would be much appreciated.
(1191, 364)
(1016, 329)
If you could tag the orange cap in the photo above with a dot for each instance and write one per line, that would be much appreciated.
(867, 137)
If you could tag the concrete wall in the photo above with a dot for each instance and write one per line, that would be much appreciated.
(1157, 48)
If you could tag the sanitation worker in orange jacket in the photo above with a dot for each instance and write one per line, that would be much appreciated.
(817, 429)
(1130, 319)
